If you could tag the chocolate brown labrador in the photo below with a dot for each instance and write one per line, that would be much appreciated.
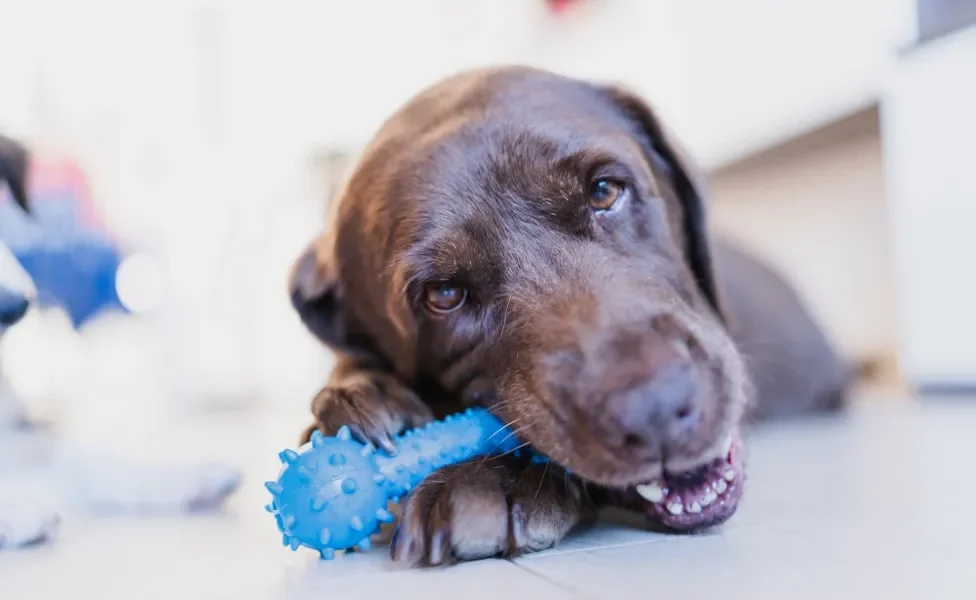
(538, 245)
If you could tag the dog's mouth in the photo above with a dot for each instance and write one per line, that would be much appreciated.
(703, 497)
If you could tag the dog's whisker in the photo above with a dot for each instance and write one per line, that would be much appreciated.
(501, 331)
(515, 449)
(542, 480)
(510, 435)
(506, 426)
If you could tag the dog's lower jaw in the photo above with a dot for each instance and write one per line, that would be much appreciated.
(703, 494)
(695, 499)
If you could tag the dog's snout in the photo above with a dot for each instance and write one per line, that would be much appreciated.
(672, 393)
(13, 307)
(660, 413)
(660, 410)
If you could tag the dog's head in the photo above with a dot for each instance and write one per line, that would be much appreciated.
(538, 244)
(15, 286)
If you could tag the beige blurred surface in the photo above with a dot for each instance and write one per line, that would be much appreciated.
(816, 209)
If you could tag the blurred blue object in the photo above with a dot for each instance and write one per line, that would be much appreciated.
(78, 276)
(62, 246)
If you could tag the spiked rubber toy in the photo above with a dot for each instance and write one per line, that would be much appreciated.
(333, 493)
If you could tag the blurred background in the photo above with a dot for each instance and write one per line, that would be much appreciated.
(199, 141)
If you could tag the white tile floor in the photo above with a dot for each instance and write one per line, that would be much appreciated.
(873, 505)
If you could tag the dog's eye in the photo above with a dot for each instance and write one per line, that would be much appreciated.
(604, 193)
(443, 297)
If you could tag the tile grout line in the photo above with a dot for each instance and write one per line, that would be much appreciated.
(662, 540)
(562, 586)
(529, 557)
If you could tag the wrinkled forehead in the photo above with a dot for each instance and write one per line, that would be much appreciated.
(489, 188)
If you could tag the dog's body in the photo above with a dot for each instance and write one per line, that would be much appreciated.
(538, 245)
(795, 369)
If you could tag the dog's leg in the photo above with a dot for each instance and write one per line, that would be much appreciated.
(374, 404)
(487, 507)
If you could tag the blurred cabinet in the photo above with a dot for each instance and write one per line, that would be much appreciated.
(928, 128)
(732, 77)
(765, 71)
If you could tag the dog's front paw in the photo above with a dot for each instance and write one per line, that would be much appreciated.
(485, 508)
(375, 406)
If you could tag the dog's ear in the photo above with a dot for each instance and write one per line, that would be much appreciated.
(13, 169)
(666, 153)
(319, 297)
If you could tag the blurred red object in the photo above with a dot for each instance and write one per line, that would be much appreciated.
(561, 6)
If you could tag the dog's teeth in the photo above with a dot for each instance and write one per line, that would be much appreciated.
(709, 497)
(651, 491)
(694, 508)
(720, 486)
(729, 475)
(675, 508)
(727, 446)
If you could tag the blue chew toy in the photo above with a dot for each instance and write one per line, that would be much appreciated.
(333, 494)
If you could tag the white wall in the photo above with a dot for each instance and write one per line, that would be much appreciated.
(127, 90)
(732, 77)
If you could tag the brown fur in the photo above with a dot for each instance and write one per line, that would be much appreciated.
(600, 337)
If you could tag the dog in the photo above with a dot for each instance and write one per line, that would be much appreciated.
(90, 478)
(22, 521)
(538, 245)
(16, 288)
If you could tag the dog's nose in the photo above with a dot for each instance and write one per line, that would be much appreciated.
(13, 307)
(660, 413)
